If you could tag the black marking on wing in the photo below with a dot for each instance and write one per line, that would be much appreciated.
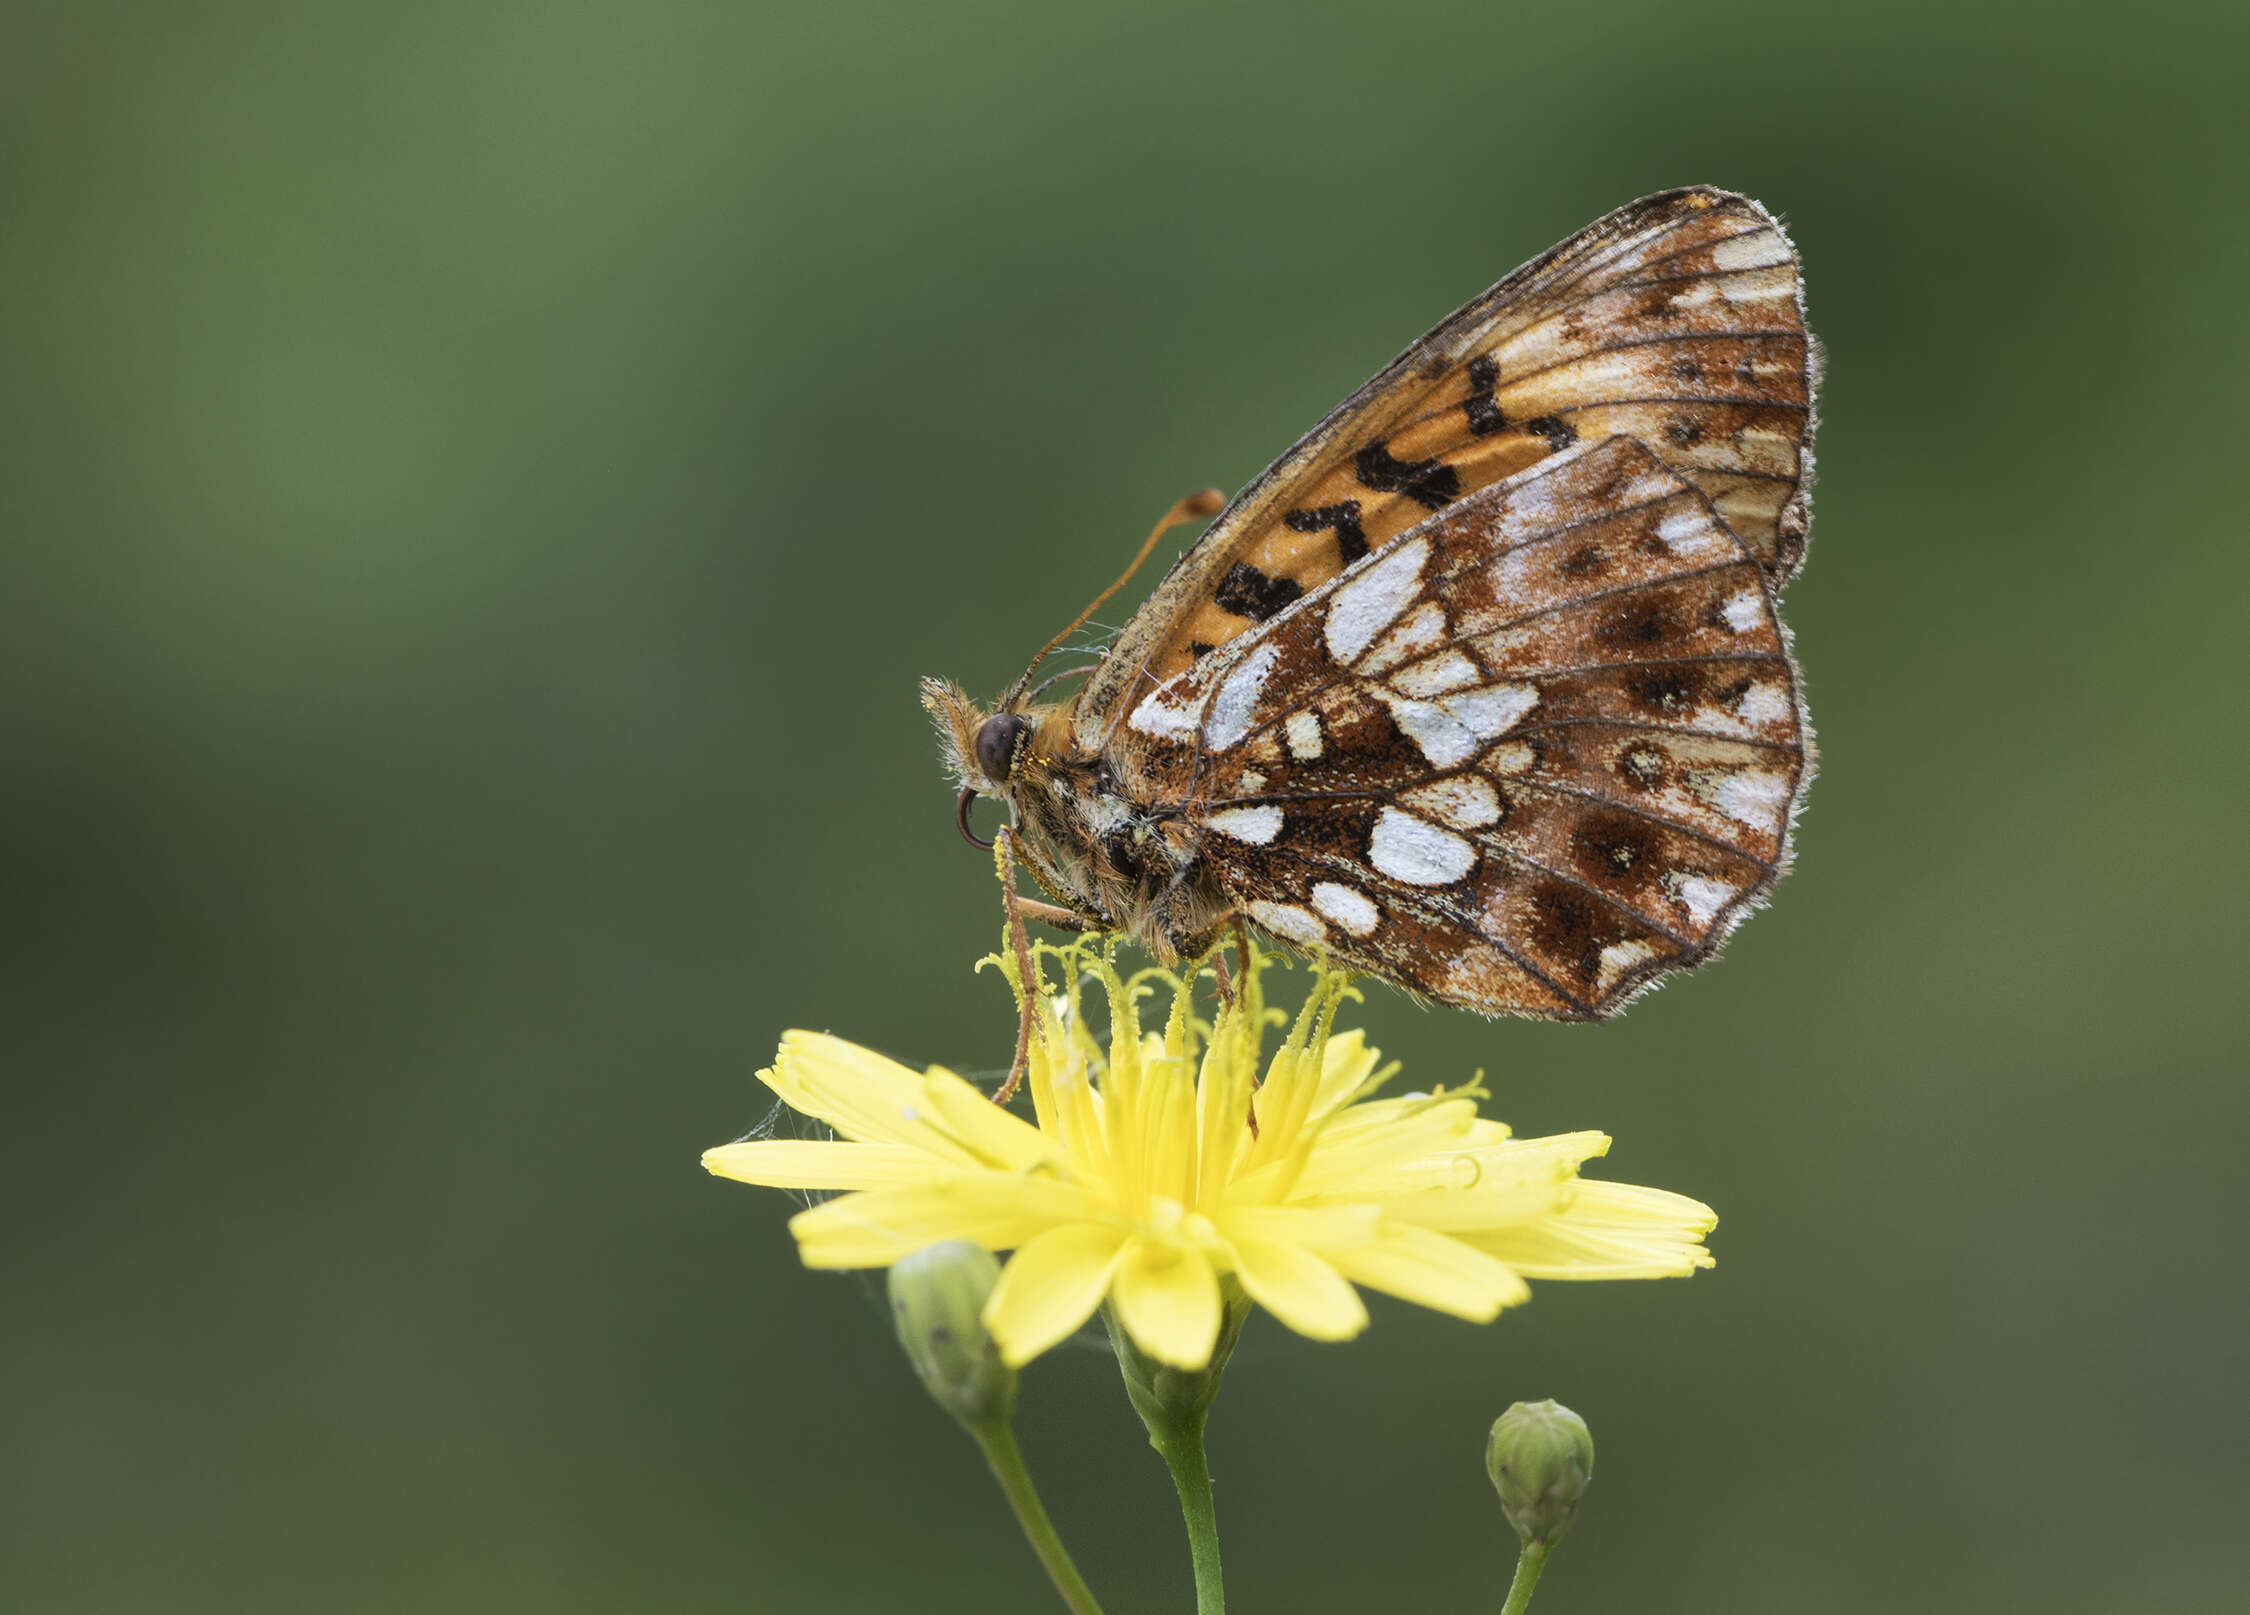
(1559, 433)
(1766, 868)
(1569, 923)
(1431, 484)
(1351, 541)
(1248, 592)
(1483, 406)
(1699, 400)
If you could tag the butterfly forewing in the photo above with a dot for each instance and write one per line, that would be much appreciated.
(1539, 749)
(1480, 687)
(1677, 321)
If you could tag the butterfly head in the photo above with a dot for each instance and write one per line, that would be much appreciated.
(988, 753)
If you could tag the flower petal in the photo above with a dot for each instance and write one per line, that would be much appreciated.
(993, 1135)
(1608, 1231)
(1315, 1227)
(1299, 1288)
(1514, 1178)
(1168, 1300)
(865, 1096)
(997, 1210)
(1431, 1270)
(805, 1163)
(1422, 1146)
(1051, 1286)
(1345, 1066)
(858, 1092)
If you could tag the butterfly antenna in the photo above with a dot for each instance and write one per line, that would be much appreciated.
(1194, 507)
(1052, 679)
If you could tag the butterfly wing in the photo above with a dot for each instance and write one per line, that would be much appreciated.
(1542, 749)
(1678, 321)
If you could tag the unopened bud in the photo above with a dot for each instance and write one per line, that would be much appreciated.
(1540, 1457)
(937, 1299)
(1166, 1395)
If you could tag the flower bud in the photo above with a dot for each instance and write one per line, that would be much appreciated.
(937, 1299)
(1540, 1457)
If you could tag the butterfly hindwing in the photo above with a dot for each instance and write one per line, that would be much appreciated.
(1480, 688)
(1677, 321)
(1540, 749)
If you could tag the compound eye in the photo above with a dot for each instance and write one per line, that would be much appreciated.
(996, 743)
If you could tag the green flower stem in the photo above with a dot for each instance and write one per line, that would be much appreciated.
(998, 1439)
(1529, 1563)
(1180, 1445)
(1174, 1403)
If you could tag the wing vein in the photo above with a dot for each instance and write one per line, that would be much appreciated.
(1643, 725)
(1427, 902)
(1650, 816)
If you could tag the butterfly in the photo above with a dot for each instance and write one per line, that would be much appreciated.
(1482, 687)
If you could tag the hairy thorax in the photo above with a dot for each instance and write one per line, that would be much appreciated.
(1120, 854)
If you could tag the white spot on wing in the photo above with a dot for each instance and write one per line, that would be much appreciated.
(1166, 713)
(1440, 675)
(1450, 729)
(1290, 923)
(1745, 611)
(1755, 798)
(1415, 852)
(1753, 249)
(1689, 533)
(1372, 601)
(1467, 802)
(1756, 291)
(1302, 730)
(1493, 710)
(1237, 700)
(1704, 897)
(1347, 906)
(1256, 825)
(1513, 758)
(1764, 704)
(1444, 739)
(1421, 631)
(1618, 958)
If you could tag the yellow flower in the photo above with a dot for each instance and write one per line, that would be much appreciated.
(1161, 1164)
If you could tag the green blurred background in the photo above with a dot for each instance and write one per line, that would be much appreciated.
(480, 482)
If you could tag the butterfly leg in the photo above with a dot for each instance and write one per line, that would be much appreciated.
(1223, 978)
(1062, 919)
(1242, 963)
(1211, 947)
(1027, 984)
(1239, 934)
(1019, 909)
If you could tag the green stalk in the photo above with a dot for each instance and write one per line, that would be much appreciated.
(1174, 1404)
(1529, 1563)
(998, 1439)
(1180, 1445)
